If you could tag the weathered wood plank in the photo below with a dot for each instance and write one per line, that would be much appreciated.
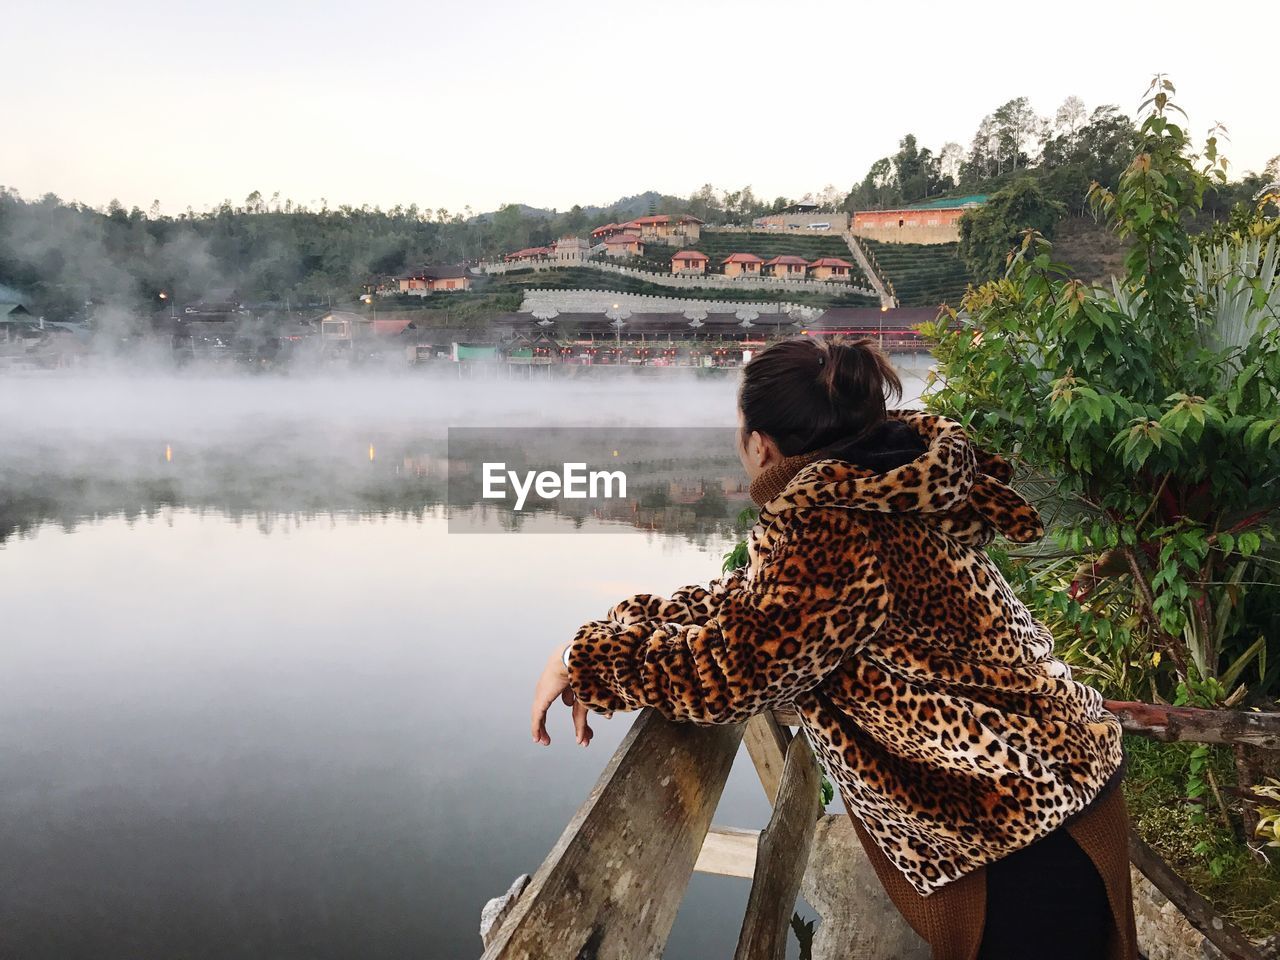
(1198, 726)
(610, 887)
(782, 857)
(729, 852)
(1218, 930)
(766, 741)
(1170, 724)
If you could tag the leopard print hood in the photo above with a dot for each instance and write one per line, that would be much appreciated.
(956, 485)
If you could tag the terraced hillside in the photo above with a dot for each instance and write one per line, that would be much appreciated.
(923, 275)
(768, 245)
(583, 278)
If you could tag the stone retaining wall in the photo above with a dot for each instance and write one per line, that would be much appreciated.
(709, 282)
(599, 301)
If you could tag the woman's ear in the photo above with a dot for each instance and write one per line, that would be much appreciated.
(762, 451)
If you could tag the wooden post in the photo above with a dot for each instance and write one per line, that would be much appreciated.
(782, 856)
(1217, 929)
(610, 887)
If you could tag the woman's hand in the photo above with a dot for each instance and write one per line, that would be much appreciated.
(553, 683)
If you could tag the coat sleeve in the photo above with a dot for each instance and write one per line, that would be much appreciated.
(815, 598)
(691, 605)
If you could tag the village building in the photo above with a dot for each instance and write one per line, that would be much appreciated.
(934, 221)
(600, 234)
(16, 323)
(742, 265)
(786, 267)
(435, 279)
(624, 245)
(571, 248)
(667, 229)
(527, 254)
(689, 262)
(830, 268)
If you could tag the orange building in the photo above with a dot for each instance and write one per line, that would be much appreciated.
(434, 279)
(935, 221)
(786, 267)
(689, 261)
(605, 232)
(830, 268)
(661, 228)
(528, 253)
(624, 245)
(742, 265)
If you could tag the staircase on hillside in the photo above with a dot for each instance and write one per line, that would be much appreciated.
(880, 283)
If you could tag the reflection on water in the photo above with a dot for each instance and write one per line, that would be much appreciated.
(256, 701)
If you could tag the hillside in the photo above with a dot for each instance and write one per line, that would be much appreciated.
(922, 275)
(1092, 250)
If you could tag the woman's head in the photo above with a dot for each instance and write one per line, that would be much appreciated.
(800, 395)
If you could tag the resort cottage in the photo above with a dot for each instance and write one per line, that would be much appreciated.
(786, 267)
(689, 262)
(830, 268)
(624, 245)
(742, 265)
(433, 279)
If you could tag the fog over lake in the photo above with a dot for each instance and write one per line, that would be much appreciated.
(257, 701)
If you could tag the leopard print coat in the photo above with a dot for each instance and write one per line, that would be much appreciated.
(926, 688)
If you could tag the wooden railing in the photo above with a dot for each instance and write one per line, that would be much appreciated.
(610, 887)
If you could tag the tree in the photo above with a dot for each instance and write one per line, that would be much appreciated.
(991, 232)
(1069, 118)
(1151, 410)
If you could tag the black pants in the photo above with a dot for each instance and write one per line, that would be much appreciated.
(1046, 902)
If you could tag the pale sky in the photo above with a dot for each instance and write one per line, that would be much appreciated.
(557, 102)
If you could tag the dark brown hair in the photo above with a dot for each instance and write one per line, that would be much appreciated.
(807, 393)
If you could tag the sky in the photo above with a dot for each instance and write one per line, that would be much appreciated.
(558, 102)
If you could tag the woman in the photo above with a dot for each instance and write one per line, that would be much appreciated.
(980, 778)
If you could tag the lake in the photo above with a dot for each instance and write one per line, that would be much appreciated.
(258, 700)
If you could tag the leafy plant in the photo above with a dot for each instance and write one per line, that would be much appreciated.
(1151, 411)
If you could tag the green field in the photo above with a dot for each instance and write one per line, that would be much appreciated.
(923, 275)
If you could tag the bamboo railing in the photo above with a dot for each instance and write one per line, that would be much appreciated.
(610, 887)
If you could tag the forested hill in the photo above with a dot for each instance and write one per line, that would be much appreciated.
(64, 255)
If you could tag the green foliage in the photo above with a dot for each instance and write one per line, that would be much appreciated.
(1197, 835)
(1150, 410)
(989, 233)
(737, 557)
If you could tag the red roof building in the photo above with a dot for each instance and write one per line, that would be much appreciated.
(830, 268)
(786, 267)
(689, 261)
(742, 265)
(624, 245)
(433, 279)
(528, 253)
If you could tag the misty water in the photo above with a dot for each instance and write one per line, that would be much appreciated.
(257, 700)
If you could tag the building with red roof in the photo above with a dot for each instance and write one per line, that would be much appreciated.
(433, 279)
(689, 262)
(528, 253)
(624, 245)
(786, 267)
(742, 265)
(830, 268)
(660, 228)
